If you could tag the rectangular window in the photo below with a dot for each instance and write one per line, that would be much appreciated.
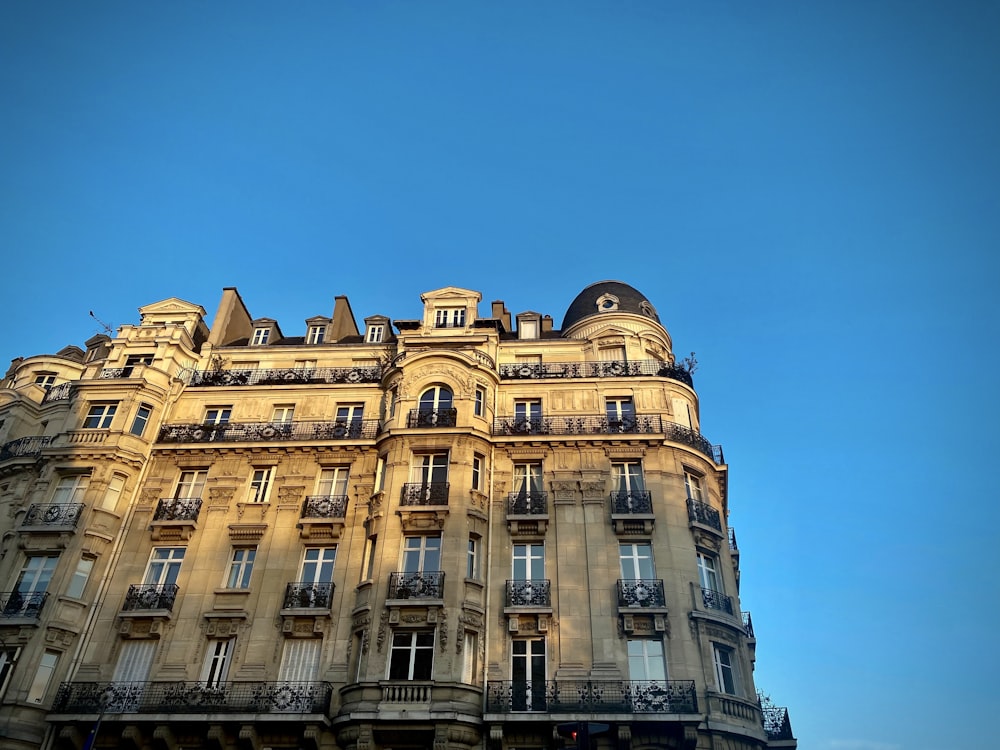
(429, 468)
(527, 674)
(529, 562)
(692, 483)
(480, 406)
(164, 566)
(470, 661)
(305, 364)
(726, 671)
(707, 573)
(260, 485)
(332, 482)
(260, 336)
(636, 561)
(375, 334)
(316, 334)
(71, 489)
(8, 658)
(449, 317)
(135, 360)
(300, 660)
(134, 661)
(368, 567)
(78, 583)
(645, 660)
(412, 656)
(317, 565)
(472, 558)
(218, 414)
(191, 484)
(36, 574)
(477, 471)
(217, 658)
(100, 415)
(349, 418)
(283, 414)
(116, 485)
(528, 481)
(421, 554)
(142, 415)
(46, 380)
(43, 676)
(620, 413)
(611, 353)
(527, 329)
(241, 567)
(380, 474)
(527, 409)
(627, 478)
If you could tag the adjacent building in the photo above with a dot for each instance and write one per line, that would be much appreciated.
(452, 531)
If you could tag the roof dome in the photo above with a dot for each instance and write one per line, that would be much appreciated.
(608, 297)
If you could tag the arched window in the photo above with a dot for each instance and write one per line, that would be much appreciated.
(435, 408)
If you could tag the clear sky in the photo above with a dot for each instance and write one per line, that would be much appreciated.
(807, 191)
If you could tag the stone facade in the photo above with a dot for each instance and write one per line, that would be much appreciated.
(452, 531)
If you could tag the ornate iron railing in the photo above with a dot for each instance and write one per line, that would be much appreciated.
(141, 596)
(533, 503)
(593, 696)
(717, 600)
(61, 392)
(429, 493)
(577, 425)
(325, 506)
(287, 376)
(428, 584)
(748, 625)
(177, 509)
(308, 595)
(703, 513)
(53, 514)
(611, 369)
(18, 604)
(641, 592)
(348, 429)
(24, 447)
(733, 547)
(529, 593)
(631, 501)
(432, 418)
(192, 697)
(776, 723)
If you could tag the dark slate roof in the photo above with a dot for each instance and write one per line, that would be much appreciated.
(585, 304)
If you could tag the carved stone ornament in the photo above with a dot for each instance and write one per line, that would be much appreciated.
(220, 495)
(380, 639)
(592, 489)
(290, 495)
(149, 496)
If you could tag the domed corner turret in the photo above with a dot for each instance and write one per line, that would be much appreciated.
(615, 305)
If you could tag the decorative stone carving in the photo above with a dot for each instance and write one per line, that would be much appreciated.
(380, 640)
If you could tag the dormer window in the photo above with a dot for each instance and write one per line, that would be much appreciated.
(45, 379)
(316, 334)
(376, 334)
(528, 325)
(449, 317)
(607, 303)
(260, 336)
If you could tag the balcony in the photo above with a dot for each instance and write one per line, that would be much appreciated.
(641, 593)
(776, 723)
(529, 594)
(61, 392)
(146, 597)
(308, 595)
(704, 516)
(748, 626)
(253, 432)
(593, 697)
(52, 516)
(533, 503)
(716, 600)
(424, 493)
(25, 447)
(432, 418)
(632, 512)
(611, 369)
(192, 697)
(175, 518)
(26, 605)
(286, 376)
(323, 516)
(428, 584)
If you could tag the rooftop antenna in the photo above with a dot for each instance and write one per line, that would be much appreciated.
(107, 329)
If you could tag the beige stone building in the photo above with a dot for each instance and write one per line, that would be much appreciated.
(458, 531)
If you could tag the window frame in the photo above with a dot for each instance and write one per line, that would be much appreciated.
(143, 413)
(731, 686)
(316, 334)
(449, 317)
(375, 333)
(410, 652)
(261, 482)
(261, 335)
(479, 406)
(240, 570)
(218, 660)
(47, 665)
(169, 561)
(100, 415)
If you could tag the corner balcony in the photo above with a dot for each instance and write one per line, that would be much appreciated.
(632, 512)
(27, 606)
(702, 517)
(24, 447)
(659, 697)
(427, 584)
(285, 376)
(150, 598)
(308, 595)
(99, 698)
(424, 493)
(52, 517)
(528, 594)
(432, 418)
(257, 432)
(716, 600)
(175, 518)
(323, 517)
(609, 369)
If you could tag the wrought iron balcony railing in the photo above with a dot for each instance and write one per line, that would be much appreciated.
(703, 513)
(325, 506)
(287, 376)
(428, 584)
(577, 425)
(612, 369)
(356, 429)
(61, 392)
(529, 593)
(178, 509)
(18, 604)
(593, 696)
(776, 723)
(717, 600)
(192, 697)
(143, 596)
(748, 625)
(533, 503)
(631, 501)
(429, 493)
(25, 447)
(432, 418)
(308, 595)
(641, 592)
(733, 547)
(53, 514)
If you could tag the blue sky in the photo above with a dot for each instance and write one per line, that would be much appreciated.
(808, 192)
